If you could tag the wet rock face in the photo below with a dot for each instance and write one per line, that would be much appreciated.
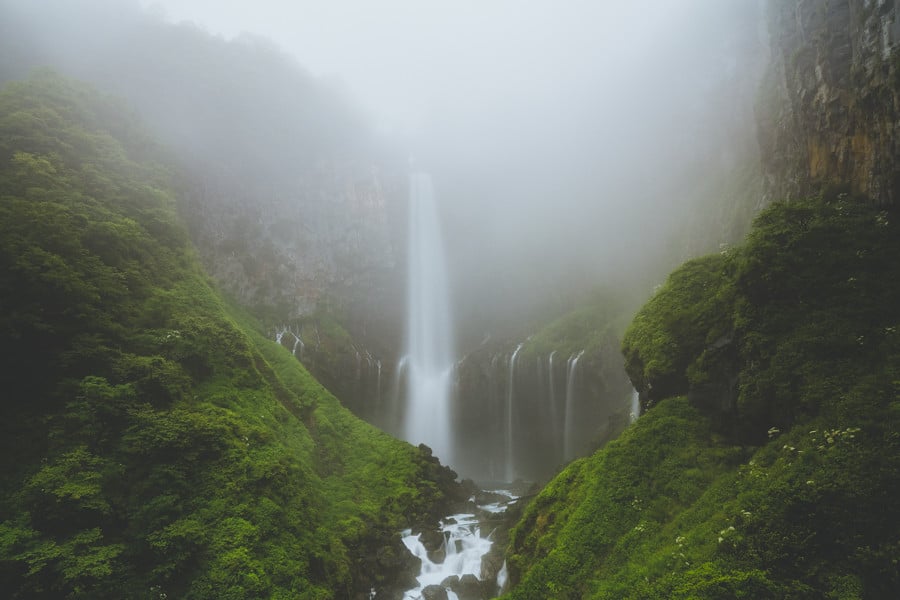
(325, 235)
(595, 390)
(832, 105)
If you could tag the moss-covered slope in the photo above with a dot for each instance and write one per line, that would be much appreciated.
(153, 443)
(773, 476)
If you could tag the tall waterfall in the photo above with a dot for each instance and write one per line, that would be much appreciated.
(429, 344)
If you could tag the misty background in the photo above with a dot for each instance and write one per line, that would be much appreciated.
(574, 145)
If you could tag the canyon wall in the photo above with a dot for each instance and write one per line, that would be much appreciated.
(831, 104)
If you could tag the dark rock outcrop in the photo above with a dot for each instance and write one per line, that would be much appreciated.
(831, 106)
(469, 588)
(539, 394)
(434, 592)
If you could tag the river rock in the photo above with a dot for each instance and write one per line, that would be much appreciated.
(469, 588)
(451, 582)
(434, 592)
(432, 539)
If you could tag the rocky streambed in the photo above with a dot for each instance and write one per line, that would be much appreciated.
(462, 557)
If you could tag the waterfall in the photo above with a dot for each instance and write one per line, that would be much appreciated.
(429, 343)
(398, 393)
(502, 578)
(495, 415)
(571, 369)
(554, 418)
(378, 383)
(510, 404)
(635, 406)
(297, 342)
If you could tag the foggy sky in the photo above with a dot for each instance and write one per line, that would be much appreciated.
(415, 63)
(560, 133)
(569, 140)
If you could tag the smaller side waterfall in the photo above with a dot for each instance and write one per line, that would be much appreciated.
(635, 406)
(554, 416)
(571, 371)
(502, 578)
(298, 341)
(378, 383)
(510, 407)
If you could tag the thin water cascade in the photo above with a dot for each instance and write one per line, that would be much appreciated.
(429, 343)
(298, 342)
(497, 461)
(554, 417)
(502, 578)
(510, 405)
(635, 406)
(571, 370)
(378, 383)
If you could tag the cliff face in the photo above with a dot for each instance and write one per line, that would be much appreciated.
(835, 99)
(298, 245)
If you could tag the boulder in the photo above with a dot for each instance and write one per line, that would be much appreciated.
(434, 592)
(469, 588)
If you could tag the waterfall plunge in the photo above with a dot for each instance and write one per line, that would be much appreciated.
(429, 344)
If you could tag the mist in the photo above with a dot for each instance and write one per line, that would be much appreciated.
(573, 145)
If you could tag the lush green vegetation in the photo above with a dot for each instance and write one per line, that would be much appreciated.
(588, 328)
(154, 443)
(774, 476)
(672, 330)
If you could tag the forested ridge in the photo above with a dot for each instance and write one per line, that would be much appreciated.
(768, 456)
(154, 442)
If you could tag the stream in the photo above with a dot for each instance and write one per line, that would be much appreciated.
(456, 566)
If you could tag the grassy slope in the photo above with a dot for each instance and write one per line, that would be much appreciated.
(778, 493)
(152, 441)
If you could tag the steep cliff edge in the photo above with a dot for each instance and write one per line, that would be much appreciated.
(832, 103)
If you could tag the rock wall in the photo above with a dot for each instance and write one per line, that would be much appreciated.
(559, 412)
(832, 102)
(297, 247)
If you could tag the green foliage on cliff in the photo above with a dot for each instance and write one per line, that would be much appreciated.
(687, 314)
(153, 443)
(771, 478)
(589, 328)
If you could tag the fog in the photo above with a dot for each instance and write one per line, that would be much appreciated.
(573, 144)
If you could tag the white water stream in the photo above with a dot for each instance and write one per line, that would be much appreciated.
(464, 548)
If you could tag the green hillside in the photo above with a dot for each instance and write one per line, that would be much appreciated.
(768, 459)
(154, 443)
